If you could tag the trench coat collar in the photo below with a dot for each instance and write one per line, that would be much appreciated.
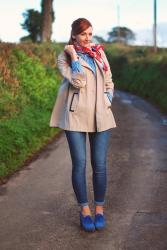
(85, 64)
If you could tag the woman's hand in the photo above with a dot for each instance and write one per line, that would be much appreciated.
(71, 51)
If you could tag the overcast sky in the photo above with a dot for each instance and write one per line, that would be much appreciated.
(103, 14)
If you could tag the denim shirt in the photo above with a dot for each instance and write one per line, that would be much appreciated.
(77, 67)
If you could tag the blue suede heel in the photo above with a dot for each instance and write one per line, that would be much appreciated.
(87, 223)
(99, 221)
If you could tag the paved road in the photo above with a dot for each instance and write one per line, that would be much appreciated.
(38, 209)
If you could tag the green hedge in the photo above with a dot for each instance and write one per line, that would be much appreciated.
(140, 71)
(29, 82)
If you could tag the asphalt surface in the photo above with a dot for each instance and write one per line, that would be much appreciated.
(38, 210)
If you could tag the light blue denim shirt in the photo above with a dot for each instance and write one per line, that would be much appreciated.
(77, 67)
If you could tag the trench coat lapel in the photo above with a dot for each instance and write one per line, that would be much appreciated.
(98, 64)
(85, 64)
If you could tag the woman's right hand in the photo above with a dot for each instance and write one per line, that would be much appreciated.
(71, 51)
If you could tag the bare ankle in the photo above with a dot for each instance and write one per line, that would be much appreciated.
(99, 209)
(85, 210)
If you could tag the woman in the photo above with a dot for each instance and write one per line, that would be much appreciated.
(83, 105)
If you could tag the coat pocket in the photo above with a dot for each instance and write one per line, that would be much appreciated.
(108, 99)
(74, 101)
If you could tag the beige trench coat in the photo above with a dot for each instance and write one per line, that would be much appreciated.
(82, 103)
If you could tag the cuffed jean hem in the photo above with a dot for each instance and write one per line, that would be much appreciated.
(83, 204)
(99, 203)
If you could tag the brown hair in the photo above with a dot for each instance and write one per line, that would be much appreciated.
(78, 26)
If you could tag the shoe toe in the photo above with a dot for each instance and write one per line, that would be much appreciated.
(99, 221)
(87, 223)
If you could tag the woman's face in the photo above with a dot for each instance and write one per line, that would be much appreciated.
(84, 38)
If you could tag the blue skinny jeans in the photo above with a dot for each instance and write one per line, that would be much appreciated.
(99, 142)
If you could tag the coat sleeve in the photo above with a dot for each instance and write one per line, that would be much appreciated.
(77, 79)
(108, 76)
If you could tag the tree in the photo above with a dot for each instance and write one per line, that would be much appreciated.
(98, 39)
(47, 19)
(121, 34)
(32, 24)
